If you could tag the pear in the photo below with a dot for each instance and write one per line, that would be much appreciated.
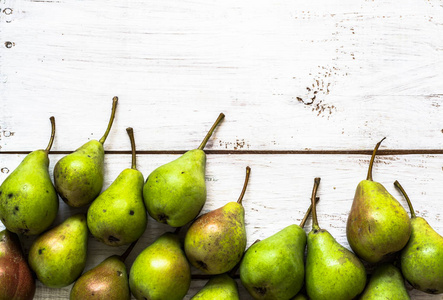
(220, 287)
(58, 256)
(176, 192)
(386, 283)
(216, 241)
(78, 177)
(161, 271)
(422, 258)
(107, 281)
(16, 280)
(118, 216)
(377, 225)
(274, 267)
(28, 201)
(332, 271)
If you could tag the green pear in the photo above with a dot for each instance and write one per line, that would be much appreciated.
(377, 225)
(161, 271)
(220, 287)
(422, 258)
(176, 192)
(332, 271)
(106, 281)
(386, 283)
(58, 256)
(78, 177)
(118, 216)
(274, 268)
(28, 201)
(16, 279)
(216, 241)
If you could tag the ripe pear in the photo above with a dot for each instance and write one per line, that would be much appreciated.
(176, 192)
(161, 271)
(107, 281)
(377, 225)
(422, 258)
(28, 201)
(220, 287)
(58, 256)
(78, 177)
(386, 283)
(216, 241)
(332, 271)
(16, 279)
(274, 267)
(118, 216)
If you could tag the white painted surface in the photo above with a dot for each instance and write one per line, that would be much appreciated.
(374, 68)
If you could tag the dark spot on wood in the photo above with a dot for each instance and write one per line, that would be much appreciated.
(131, 212)
(8, 44)
(260, 290)
(202, 264)
(113, 239)
(10, 195)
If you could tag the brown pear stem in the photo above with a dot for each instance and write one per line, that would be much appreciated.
(211, 131)
(398, 185)
(130, 132)
(313, 204)
(51, 139)
(128, 251)
(308, 212)
(371, 163)
(111, 120)
(248, 172)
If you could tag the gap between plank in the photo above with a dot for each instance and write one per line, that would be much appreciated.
(270, 152)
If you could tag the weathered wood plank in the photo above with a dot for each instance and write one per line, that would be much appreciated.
(290, 75)
(278, 193)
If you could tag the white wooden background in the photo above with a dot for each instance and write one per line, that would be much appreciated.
(308, 88)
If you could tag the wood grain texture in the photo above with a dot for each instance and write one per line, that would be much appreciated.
(289, 75)
(277, 195)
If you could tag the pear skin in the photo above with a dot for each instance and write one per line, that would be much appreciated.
(216, 241)
(118, 216)
(16, 279)
(78, 177)
(176, 192)
(377, 225)
(107, 281)
(386, 283)
(422, 258)
(220, 287)
(28, 201)
(329, 262)
(274, 267)
(58, 256)
(161, 271)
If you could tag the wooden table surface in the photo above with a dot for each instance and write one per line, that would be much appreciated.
(308, 89)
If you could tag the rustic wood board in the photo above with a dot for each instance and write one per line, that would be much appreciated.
(308, 88)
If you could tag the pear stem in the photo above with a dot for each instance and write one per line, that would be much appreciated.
(248, 172)
(313, 204)
(211, 131)
(111, 120)
(51, 139)
(308, 212)
(130, 132)
(371, 163)
(128, 251)
(398, 185)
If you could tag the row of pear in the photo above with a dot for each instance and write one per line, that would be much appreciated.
(171, 194)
